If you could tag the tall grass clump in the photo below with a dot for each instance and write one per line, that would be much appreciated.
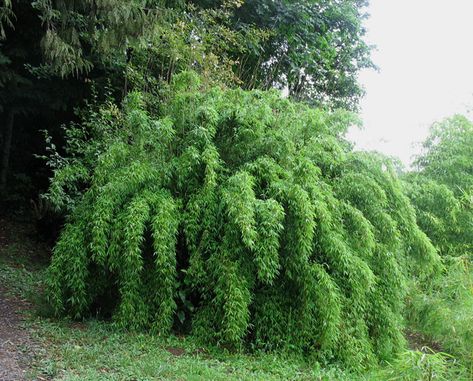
(241, 217)
(443, 312)
(421, 366)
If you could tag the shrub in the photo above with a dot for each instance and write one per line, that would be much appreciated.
(441, 192)
(247, 218)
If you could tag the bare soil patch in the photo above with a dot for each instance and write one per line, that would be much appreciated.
(18, 249)
(16, 346)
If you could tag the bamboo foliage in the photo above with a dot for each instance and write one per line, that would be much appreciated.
(6, 16)
(226, 202)
(441, 191)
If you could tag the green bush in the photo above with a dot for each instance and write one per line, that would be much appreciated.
(241, 216)
(441, 192)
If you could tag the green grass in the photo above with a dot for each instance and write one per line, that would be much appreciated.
(96, 352)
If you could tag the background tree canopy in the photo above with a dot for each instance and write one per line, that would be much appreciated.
(442, 187)
(313, 48)
(112, 43)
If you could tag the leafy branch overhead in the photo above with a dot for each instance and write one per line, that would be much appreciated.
(314, 49)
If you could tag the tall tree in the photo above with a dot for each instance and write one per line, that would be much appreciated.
(312, 48)
(315, 49)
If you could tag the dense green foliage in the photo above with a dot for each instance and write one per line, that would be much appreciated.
(441, 191)
(200, 200)
(442, 187)
(82, 35)
(244, 216)
(314, 48)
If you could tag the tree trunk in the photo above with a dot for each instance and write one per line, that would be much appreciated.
(6, 149)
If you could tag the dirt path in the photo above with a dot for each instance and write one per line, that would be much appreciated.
(16, 346)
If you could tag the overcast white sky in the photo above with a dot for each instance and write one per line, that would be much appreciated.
(425, 55)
